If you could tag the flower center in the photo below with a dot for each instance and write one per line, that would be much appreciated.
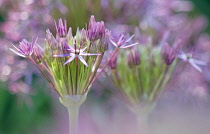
(189, 56)
(77, 51)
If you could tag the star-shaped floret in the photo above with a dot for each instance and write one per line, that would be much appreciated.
(194, 62)
(122, 42)
(76, 53)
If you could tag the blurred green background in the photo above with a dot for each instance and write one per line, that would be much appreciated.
(202, 7)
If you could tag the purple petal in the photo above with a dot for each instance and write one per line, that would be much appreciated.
(87, 54)
(164, 38)
(113, 43)
(82, 50)
(82, 60)
(129, 39)
(32, 45)
(199, 62)
(16, 48)
(69, 60)
(34, 41)
(129, 45)
(62, 55)
(56, 25)
(71, 48)
(182, 56)
(17, 53)
(195, 66)
(182, 52)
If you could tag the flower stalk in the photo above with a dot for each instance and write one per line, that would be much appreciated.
(104, 66)
(73, 103)
(142, 112)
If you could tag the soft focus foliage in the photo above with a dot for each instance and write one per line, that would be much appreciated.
(23, 113)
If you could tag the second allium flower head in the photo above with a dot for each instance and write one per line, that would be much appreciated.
(69, 63)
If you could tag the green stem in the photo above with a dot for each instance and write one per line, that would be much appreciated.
(76, 84)
(167, 79)
(142, 112)
(73, 119)
(178, 72)
(73, 103)
(98, 61)
(45, 75)
(160, 83)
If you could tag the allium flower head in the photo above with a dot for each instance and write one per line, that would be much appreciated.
(143, 77)
(74, 60)
(25, 48)
(68, 62)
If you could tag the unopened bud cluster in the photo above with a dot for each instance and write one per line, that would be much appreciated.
(141, 72)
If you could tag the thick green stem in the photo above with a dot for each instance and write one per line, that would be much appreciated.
(73, 119)
(73, 103)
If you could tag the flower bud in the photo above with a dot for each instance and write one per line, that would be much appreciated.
(169, 54)
(83, 36)
(51, 41)
(91, 22)
(38, 54)
(96, 30)
(69, 34)
(104, 41)
(133, 58)
(61, 28)
(113, 61)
